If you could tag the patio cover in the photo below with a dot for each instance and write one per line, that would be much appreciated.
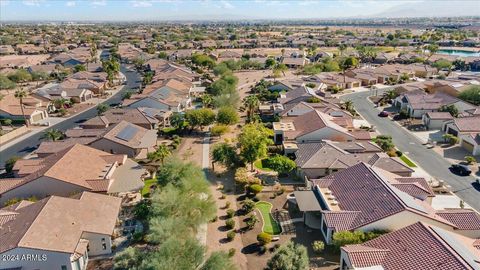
(307, 201)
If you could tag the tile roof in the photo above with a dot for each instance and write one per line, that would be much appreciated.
(57, 223)
(468, 124)
(115, 116)
(464, 219)
(142, 138)
(417, 246)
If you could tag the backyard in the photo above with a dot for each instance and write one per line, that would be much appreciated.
(270, 225)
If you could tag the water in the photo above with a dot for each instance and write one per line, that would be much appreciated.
(459, 53)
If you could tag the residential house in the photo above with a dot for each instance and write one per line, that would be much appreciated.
(366, 76)
(138, 116)
(422, 70)
(295, 62)
(34, 109)
(435, 120)
(318, 159)
(29, 49)
(46, 68)
(73, 170)
(416, 246)
(467, 129)
(332, 80)
(393, 72)
(57, 232)
(53, 91)
(366, 198)
(97, 87)
(6, 49)
(22, 61)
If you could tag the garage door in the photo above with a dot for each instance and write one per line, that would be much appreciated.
(468, 146)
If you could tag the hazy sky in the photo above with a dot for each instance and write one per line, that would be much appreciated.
(124, 10)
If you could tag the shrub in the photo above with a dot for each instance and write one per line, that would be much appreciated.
(255, 189)
(252, 220)
(318, 246)
(231, 235)
(451, 139)
(398, 153)
(262, 250)
(248, 205)
(470, 159)
(137, 237)
(230, 213)
(264, 238)
(227, 116)
(230, 223)
(280, 164)
(227, 204)
(10, 163)
(222, 197)
(314, 100)
(214, 219)
(218, 130)
(231, 252)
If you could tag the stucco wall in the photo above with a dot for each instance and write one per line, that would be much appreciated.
(44, 260)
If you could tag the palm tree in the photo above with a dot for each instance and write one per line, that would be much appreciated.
(53, 135)
(160, 154)
(21, 94)
(342, 48)
(207, 100)
(251, 103)
(348, 105)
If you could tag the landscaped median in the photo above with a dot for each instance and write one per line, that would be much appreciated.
(407, 161)
(270, 225)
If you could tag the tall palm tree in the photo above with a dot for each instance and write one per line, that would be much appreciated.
(53, 135)
(348, 105)
(160, 154)
(251, 103)
(21, 94)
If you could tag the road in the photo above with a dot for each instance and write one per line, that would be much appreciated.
(26, 146)
(429, 160)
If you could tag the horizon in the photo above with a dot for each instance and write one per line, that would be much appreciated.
(207, 10)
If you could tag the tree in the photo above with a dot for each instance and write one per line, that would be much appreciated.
(452, 109)
(280, 68)
(251, 103)
(10, 163)
(6, 83)
(102, 108)
(53, 135)
(251, 221)
(254, 141)
(207, 100)
(78, 68)
(255, 188)
(112, 68)
(20, 76)
(162, 55)
(346, 64)
(318, 246)
(471, 94)
(178, 121)
(385, 142)
(160, 154)
(270, 62)
(219, 130)
(264, 238)
(200, 117)
(280, 164)
(224, 154)
(218, 260)
(342, 48)
(248, 205)
(227, 116)
(348, 105)
(128, 258)
(20, 95)
(289, 256)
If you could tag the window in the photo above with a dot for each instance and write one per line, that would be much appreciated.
(64, 267)
(103, 239)
(104, 246)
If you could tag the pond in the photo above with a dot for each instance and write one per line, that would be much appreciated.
(459, 53)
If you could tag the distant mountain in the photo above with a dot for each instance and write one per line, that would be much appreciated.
(432, 9)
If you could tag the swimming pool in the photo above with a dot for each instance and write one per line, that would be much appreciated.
(458, 53)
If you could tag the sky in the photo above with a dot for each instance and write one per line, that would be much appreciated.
(148, 10)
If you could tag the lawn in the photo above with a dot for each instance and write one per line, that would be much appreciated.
(259, 164)
(146, 188)
(407, 161)
(270, 225)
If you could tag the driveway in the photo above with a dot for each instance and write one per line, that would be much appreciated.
(430, 161)
(30, 143)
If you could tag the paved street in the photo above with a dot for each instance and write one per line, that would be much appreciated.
(430, 161)
(29, 144)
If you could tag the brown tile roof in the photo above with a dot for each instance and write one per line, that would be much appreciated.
(417, 246)
(464, 219)
(47, 148)
(11, 105)
(57, 223)
(114, 116)
(468, 124)
(141, 137)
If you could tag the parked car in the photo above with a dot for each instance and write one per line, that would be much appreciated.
(383, 114)
(461, 169)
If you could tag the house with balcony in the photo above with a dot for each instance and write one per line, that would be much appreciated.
(57, 232)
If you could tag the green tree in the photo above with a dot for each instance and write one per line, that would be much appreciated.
(159, 154)
(6, 83)
(289, 256)
(270, 62)
(280, 164)
(280, 68)
(78, 68)
(224, 154)
(385, 142)
(20, 76)
(264, 238)
(254, 141)
(112, 67)
(251, 103)
(162, 55)
(346, 64)
(102, 108)
(20, 95)
(218, 260)
(10, 163)
(200, 117)
(452, 109)
(178, 121)
(53, 135)
(227, 116)
(471, 94)
(342, 48)
(127, 259)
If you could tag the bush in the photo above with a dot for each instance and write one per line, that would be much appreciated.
(218, 130)
(318, 246)
(231, 252)
(230, 213)
(280, 164)
(264, 238)
(10, 163)
(255, 189)
(230, 223)
(227, 204)
(231, 235)
(398, 153)
(168, 131)
(470, 159)
(252, 220)
(227, 116)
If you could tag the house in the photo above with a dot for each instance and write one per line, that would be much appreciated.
(366, 198)
(29, 49)
(34, 109)
(393, 72)
(6, 49)
(435, 120)
(129, 139)
(423, 71)
(46, 68)
(310, 127)
(295, 62)
(137, 116)
(318, 159)
(416, 246)
(57, 232)
(98, 88)
(73, 170)
(332, 80)
(295, 94)
(366, 76)
(22, 61)
(467, 129)
(53, 91)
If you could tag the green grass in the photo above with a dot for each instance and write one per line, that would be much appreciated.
(270, 225)
(146, 188)
(407, 161)
(259, 164)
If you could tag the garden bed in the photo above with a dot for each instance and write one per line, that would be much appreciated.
(147, 185)
(270, 225)
(407, 161)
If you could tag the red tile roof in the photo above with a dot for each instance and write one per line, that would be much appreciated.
(464, 219)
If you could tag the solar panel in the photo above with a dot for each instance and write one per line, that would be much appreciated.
(127, 133)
